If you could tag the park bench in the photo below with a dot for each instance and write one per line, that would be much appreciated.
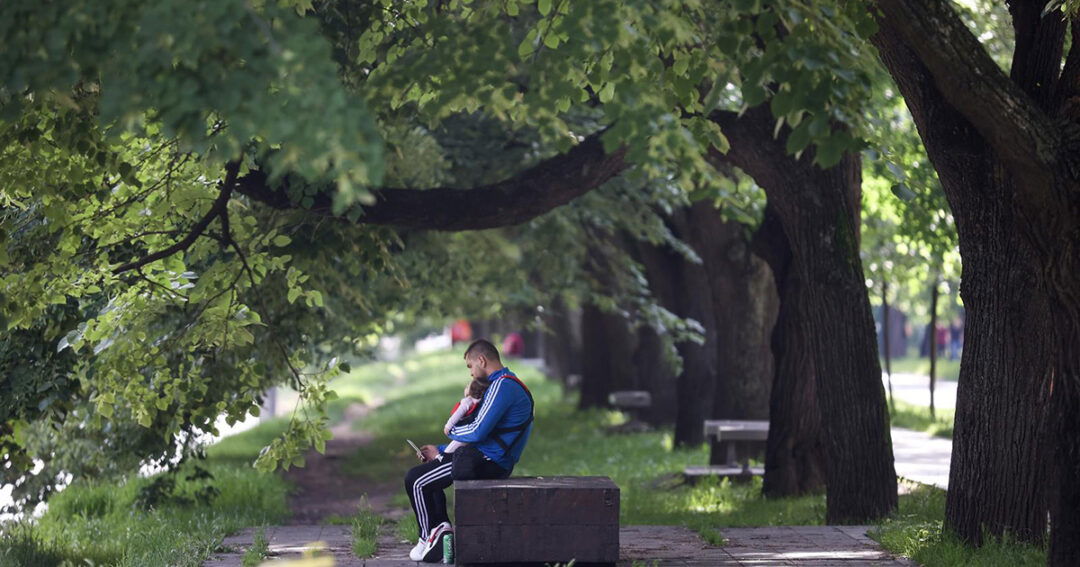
(731, 445)
(537, 520)
(632, 402)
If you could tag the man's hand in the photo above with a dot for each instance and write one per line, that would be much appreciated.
(430, 453)
(446, 431)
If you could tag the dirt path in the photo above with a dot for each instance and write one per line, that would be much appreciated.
(322, 489)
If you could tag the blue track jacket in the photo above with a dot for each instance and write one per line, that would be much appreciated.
(505, 404)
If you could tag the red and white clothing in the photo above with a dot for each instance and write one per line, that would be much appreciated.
(463, 408)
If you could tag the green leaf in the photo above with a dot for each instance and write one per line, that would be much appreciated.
(607, 92)
(798, 139)
(544, 7)
(281, 241)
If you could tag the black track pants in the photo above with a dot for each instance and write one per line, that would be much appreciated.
(426, 482)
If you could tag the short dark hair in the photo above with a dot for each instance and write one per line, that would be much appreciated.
(482, 347)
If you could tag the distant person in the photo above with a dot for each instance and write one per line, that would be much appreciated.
(513, 344)
(942, 339)
(495, 440)
(460, 331)
(956, 338)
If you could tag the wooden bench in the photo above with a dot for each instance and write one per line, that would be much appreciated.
(732, 444)
(631, 402)
(536, 520)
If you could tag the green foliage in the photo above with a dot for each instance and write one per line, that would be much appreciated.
(101, 521)
(264, 77)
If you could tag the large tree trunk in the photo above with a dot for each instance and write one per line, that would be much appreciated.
(745, 300)
(794, 453)
(562, 355)
(682, 287)
(997, 483)
(657, 377)
(819, 210)
(697, 383)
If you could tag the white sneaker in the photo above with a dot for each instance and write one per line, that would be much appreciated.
(430, 550)
(417, 552)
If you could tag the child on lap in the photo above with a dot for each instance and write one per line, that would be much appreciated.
(465, 410)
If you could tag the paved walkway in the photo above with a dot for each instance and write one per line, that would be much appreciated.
(654, 546)
(915, 389)
(921, 457)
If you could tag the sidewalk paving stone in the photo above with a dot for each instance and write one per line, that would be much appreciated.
(654, 546)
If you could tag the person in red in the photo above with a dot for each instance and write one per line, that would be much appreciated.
(513, 344)
(460, 331)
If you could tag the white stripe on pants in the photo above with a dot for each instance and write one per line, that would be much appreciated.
(439, 472)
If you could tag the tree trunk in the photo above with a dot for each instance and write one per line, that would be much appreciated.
(745, 300)
(794, 453)
(697, 383)
(562, 354)
(996, 479)
(597, 354)
(657, 378)
(861, 480)
(819, 212)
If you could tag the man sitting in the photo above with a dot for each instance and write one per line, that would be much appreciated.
(495, 440)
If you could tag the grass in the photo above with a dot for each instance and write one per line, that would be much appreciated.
(99, 522)
(945, 369)
(365, 529)
(254, 555)
(915, 531)
(911, 416)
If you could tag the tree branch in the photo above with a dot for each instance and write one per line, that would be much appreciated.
(1037, 56)
(216, 209)
(1021, 133)
(1068, 87)
(532, 192)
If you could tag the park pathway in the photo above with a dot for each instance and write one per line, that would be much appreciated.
(653, 546)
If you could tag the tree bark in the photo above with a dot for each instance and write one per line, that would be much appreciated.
(563, 353)
(996, 479)
(597, 374)
(656, 377)
(697, 384)
(535, 191)
(794, 453)
(819, 210)
(744, 297)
